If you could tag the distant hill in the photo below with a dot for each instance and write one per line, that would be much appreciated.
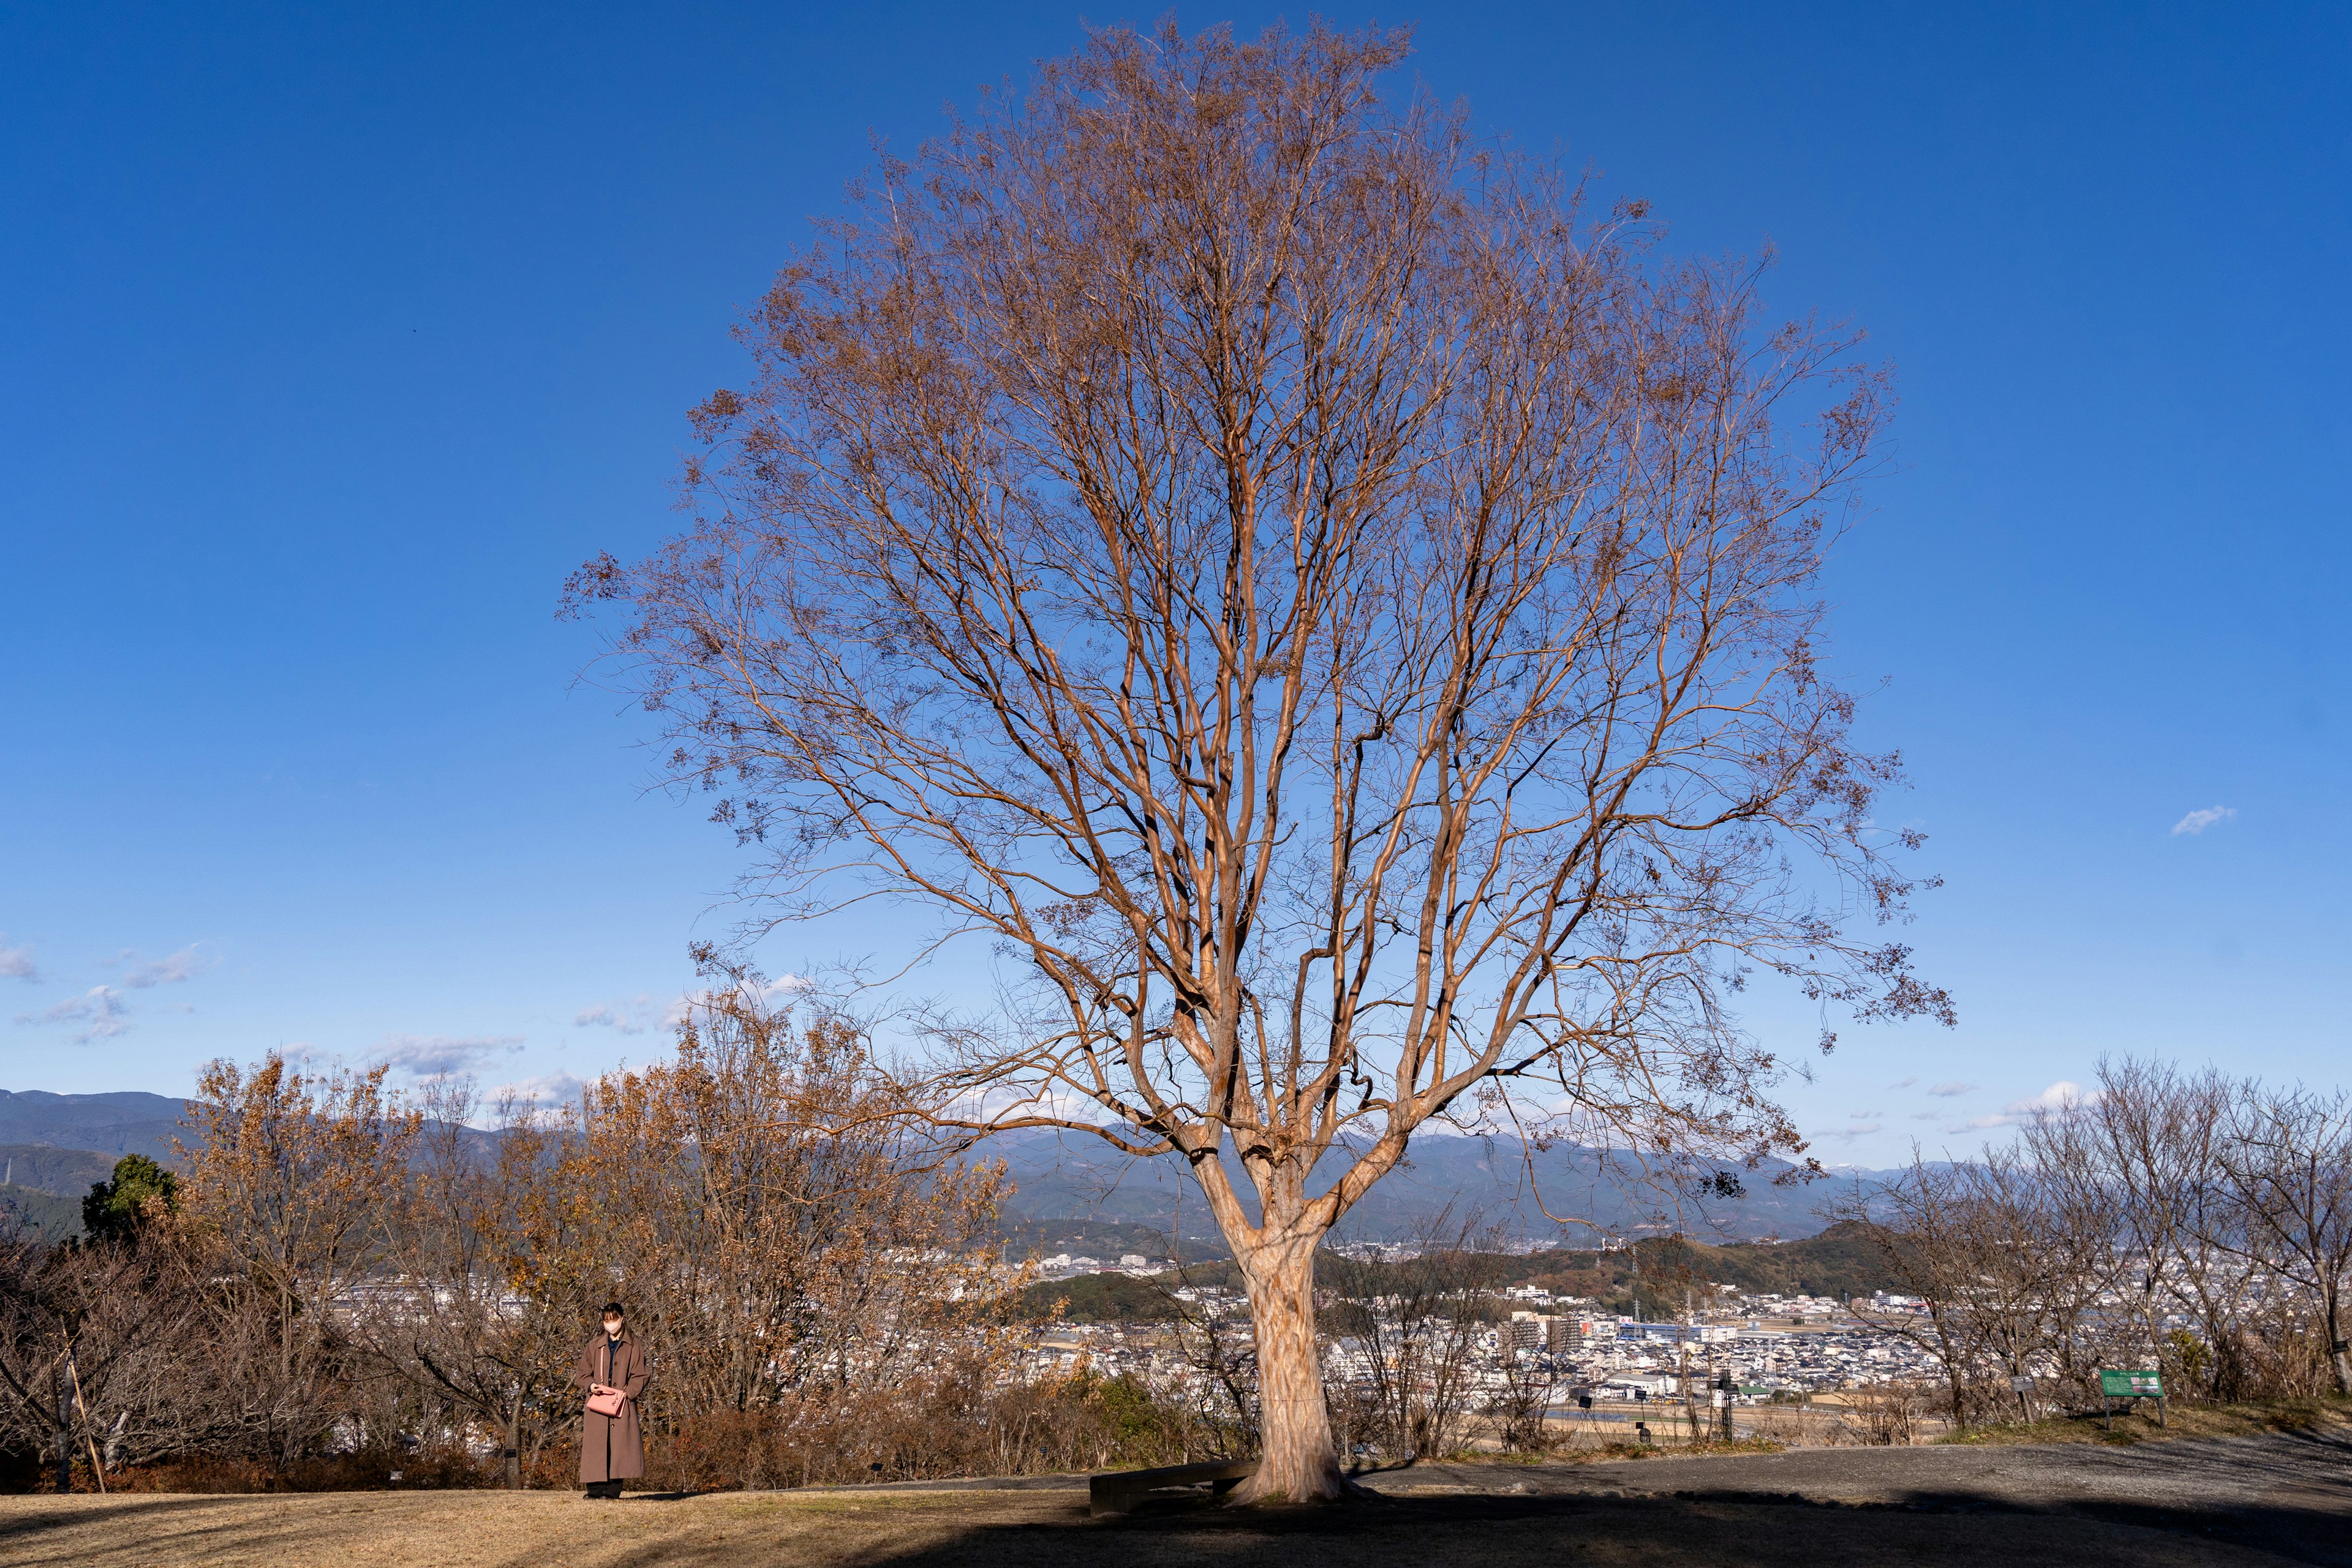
(112, 1125)
(1069, 1183)
(1653, 1275)
(1076, 1194)
(46, 1215)
(44, 1168)
(1841, 1261)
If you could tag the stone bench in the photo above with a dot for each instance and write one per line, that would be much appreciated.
(1119, 1490)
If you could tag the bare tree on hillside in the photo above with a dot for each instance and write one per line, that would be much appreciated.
(2288, 1166)
(1335, 620)
(2146, 1146)
(90, 1337)
(449, 1318)
(1928, 1243)
(1417, 1315)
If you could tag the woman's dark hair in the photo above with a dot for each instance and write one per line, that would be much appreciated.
(611, 1309)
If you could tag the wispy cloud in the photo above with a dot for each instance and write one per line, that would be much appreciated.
(550, 1088)
(1906, 1083)
(1848, 1134)
(2196, 822)
(1863, 1115)
(172, 969)
(100, 1008)
(426, 1054)
(635, 1015)
(16, 962)
(631, 1015)
(1953, 1089)
(2059, 1096)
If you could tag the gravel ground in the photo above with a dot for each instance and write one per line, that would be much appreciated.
(2289, 1493)
(2257, 1500)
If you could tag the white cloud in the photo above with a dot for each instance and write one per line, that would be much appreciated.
(1848, 1134)
(636, 1015)
(1953, 1089)
(2198, 821)
(1863, 1115)
(101, 1008)
(630, 1015)
(184, 964)
(2060, 1096)
(425, 1055)
(16, 962)
(1906, 1083)
(557, 1087)
(2057, 1097)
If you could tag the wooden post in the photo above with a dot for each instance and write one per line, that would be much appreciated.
(97, 1468)
(65, 1430)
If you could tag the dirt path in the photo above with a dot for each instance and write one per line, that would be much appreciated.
(2238, 1501)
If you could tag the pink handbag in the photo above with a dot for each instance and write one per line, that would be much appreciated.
(606, 1404)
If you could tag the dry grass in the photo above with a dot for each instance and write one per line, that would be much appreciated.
(1027, 1529)
(2138, 1425)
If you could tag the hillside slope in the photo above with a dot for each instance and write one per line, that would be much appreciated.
(1477, 1182)
(45, 1168)
(1654, 1275)
(110, 1124)
(44, 1215)
(1074, 1193)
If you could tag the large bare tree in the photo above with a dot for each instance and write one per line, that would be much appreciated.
(1336, 620)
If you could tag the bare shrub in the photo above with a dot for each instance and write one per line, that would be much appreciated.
(1878, 1415)
(1414, 1318)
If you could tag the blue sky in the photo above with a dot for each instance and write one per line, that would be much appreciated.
(335, 339)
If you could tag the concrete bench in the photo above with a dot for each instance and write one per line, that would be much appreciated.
(1120, 1490)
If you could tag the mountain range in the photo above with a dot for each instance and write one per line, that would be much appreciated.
(1562, 1196)
(1074, 1190)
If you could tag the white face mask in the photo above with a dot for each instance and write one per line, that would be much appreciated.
(612, 1326)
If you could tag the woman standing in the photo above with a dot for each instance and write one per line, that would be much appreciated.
(612, 1370)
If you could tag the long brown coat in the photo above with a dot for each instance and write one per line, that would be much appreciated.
(611, 1447)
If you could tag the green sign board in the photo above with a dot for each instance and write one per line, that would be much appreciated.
(2131, 1384)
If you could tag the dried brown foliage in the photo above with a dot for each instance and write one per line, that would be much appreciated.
(779, 1249)
(353, 1284)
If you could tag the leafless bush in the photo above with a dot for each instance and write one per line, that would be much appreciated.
(957, 1424)
(1412, 1322)
(1878, 1415)
(92, 1339)
(1519, 1409)
(2190, 1223)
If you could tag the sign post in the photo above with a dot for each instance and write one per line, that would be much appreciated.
(2138, 1385)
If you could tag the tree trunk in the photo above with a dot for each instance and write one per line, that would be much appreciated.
(1299, 1463)
(2337, 1359)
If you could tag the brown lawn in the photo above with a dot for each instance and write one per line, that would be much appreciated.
(1005, 1529)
